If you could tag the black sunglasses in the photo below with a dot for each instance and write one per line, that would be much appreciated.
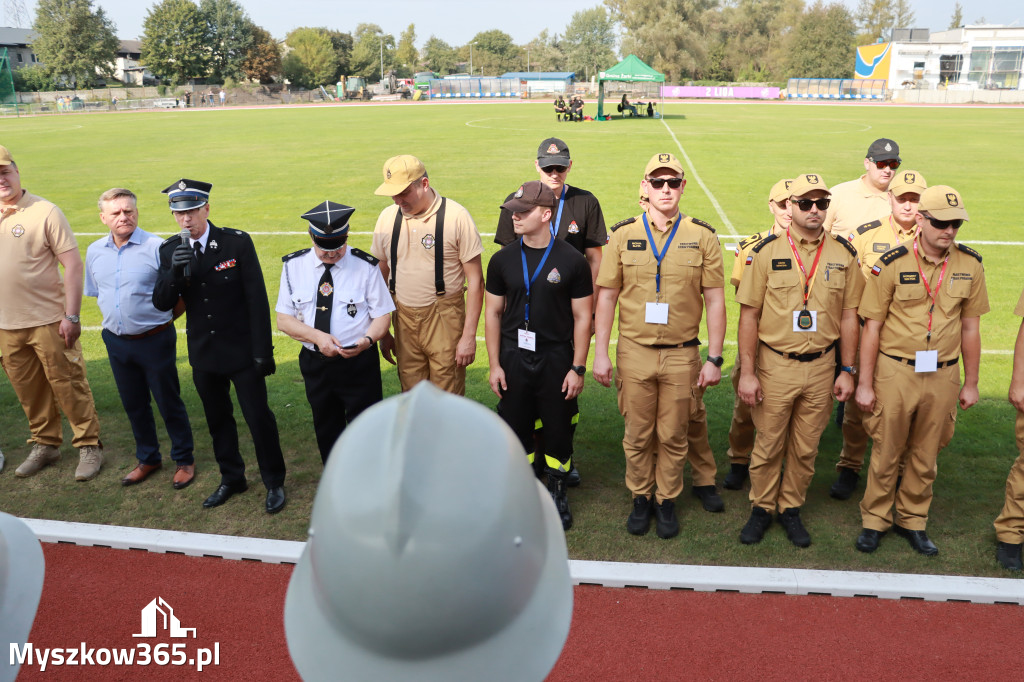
(555, 169)
(944, 224)
(891, 163)
(805, 204)
(658, 183)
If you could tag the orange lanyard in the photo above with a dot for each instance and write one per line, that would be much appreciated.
(938, 285)
(808, 279)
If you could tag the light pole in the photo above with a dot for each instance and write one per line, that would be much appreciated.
(471, 57)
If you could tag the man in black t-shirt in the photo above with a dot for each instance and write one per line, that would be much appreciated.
(537, 328)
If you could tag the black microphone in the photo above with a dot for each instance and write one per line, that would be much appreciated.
(185, 234)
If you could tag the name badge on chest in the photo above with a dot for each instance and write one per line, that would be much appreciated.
(527, 340)
(805, 320)
(657, 313)
(926, 361)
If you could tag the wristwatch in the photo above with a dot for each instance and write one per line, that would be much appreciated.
(580, 369)
(73, 319)
(716, 360)
(852, 371)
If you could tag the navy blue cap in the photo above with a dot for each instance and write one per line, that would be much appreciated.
(185, 194)
(328, 224)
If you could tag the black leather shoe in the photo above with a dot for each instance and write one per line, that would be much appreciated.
(666, 525)
(709, 498)
(223, 493)
(275, 499)
(868, 539)
(844, 486)
(736, 477)
(573, 479)
(1009, 556)
(639, 521)
(918, 539)
(557, 488)
(757, 524)
(795, 531)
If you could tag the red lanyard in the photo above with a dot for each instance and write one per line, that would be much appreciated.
(938, 285)
(896, 233)
(808, 279)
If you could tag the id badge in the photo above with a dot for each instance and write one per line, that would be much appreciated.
(657, 313)
(805, 320)
(926, 361)
(527, 340)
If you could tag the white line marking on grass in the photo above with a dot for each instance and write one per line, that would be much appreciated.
(693, 171)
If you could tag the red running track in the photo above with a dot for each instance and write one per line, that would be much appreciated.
(95, 595)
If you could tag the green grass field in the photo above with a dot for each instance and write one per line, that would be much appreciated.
(268, 166)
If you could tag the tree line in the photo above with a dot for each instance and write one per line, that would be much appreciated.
(687, 40)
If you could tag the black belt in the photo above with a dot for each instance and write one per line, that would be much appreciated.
(685, 344)
(907, 361)
(152, 332)
(801, 357)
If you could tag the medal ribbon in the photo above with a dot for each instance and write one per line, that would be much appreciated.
(526, 273)
(938, 285)
(558, 216)
(659, 256)
(808, 279)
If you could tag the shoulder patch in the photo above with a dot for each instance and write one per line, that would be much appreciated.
(869, 226)
(621, 223)
(969, 251)
(697, 221)
(892, 254)
(765, 242)
(362, 255)
(846, 244)
(294, 254)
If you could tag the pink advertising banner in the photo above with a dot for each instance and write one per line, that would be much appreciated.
(722, 92)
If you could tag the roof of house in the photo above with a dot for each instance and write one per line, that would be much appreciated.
(16, 36)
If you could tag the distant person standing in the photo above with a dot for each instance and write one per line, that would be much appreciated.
(223, 96)
(860, 201)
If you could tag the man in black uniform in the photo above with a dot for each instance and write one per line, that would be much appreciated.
(217, 273)
(335, 301)
(537, 328)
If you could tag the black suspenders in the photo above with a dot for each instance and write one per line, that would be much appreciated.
(438, 250)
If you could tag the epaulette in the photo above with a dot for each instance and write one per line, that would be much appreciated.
(969, 251)
(362, 255)
(892, 254)
(294, 254)
(698, 221)
(846, 242)
(869, 226)
(233, 231)
(619, 224)
(764, 242)
(750, 241)
(171, 239)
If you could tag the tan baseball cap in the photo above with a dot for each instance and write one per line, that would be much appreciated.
(663, 161)
(943, 203)
(806, 183)
(5, 157)
(907, 181)
(400, 172)
(780, 191)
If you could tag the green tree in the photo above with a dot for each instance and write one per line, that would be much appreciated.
(589, 42)
(74, 42)
(439, 56)
(875, 18)
(903, 14)
(667, 34)
(366, 51)
(406, 56)
(824, 43)
(310, 60)
(33, 78)
(494, 53)
(230, 33)
(545, 53)
(175, 43)
(957, 20)
(754, 35)
(263, 59)
(342, 43)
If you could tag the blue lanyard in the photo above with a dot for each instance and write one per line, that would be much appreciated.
(526, 274)
(654, 249)
(558, 216)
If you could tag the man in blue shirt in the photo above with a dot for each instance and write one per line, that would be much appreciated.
(121, 271)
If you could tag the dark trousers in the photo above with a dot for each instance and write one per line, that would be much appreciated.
(338, 389)
(534, 391)
(149, 366)
(251, 390)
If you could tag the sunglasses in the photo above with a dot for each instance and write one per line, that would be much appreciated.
(891, 163)
(658, 183)
(805, 204)
(555, 169)
(944, 224)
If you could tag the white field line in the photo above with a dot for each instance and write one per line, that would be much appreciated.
(696, 176)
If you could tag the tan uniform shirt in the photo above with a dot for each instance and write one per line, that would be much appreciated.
(774, 284)
(692, 263)
(875, 238)
(744, 250)
(414, 276)
(855, 203)
(32, 233)
(896, 296)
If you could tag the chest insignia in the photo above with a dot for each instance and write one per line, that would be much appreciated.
(213, 244)
(225, 265)
(351, 309)
(574, 228)
(18, 230)
(427, 241)
(554, 276)
(782, 264)
(326, 289)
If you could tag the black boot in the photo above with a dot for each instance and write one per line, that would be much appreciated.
(1009, 556)
(557, 487)
(845, 485)
(736, 477)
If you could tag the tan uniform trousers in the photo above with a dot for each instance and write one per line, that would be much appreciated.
(914, 417)
(425, 341)
(796, 408)
(698, 449)
(855, 437)
(741, 430)
(45, 374)
(656, 389)
(1010, 523)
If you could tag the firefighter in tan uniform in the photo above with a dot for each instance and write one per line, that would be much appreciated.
(429, 252)
(741, 430)
(921, 309)
(798, 296)
(860, 201)
(872, 240)
(1010, 523)
(662, 269)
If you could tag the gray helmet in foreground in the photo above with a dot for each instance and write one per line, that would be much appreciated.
(433, 552)
(21, 585)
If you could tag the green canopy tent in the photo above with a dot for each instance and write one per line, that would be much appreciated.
(629, 70)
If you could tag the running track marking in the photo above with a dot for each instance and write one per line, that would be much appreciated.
(606, 574)
(693, 172)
